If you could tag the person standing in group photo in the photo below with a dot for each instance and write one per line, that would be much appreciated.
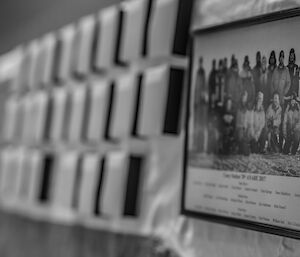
(226, 71)
(291, 126)
(264, 83)
(220, 85)
(256, 73)
(269, 91)
(273, 124)
(227, 128)
(281, 80)
(281, 83)
(225, 66)
(247, 81)
(234, 83)
(294, 76)
(258, 133)
(200, 109)
(243, 125)
(213, 130)
(212, 81)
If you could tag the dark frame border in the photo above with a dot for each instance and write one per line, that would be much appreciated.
(261, 227)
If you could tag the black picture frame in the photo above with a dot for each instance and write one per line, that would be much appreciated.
(244, 224)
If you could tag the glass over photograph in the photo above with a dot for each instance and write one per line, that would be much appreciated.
(243, 126)
(245, 113)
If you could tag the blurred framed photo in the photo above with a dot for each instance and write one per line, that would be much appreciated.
(242, 151)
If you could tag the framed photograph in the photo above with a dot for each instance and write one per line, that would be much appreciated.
(242, 151)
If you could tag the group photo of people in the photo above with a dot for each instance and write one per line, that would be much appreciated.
(244, 108)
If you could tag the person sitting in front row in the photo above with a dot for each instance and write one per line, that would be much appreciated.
(243, 123)
(291, 126)
(258, 132)
(273, 122)
(227, 128)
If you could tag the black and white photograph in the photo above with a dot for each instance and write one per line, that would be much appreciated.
(244, 101)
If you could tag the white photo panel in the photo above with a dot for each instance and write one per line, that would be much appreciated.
(59, 96)
(64, 180)
(107, 36)
(65, 56)
(86, 30)
(12, 162)
(44, 70)
(12, 106)
(123, 108)
(31, 175)
(162, 28)
(88, 191)
(153, 101)
(41, 99)
(98, 112)
(114, 182)
(132, 35)
(78, 98)
(28, 118)
(33, 50)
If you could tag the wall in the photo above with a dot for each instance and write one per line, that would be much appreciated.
(186, 236)
(21, 21)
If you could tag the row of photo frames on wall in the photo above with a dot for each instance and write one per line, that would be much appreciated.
(241, 164)
(116, 36)
(74, 185)
(75, 93)
(91, 112)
